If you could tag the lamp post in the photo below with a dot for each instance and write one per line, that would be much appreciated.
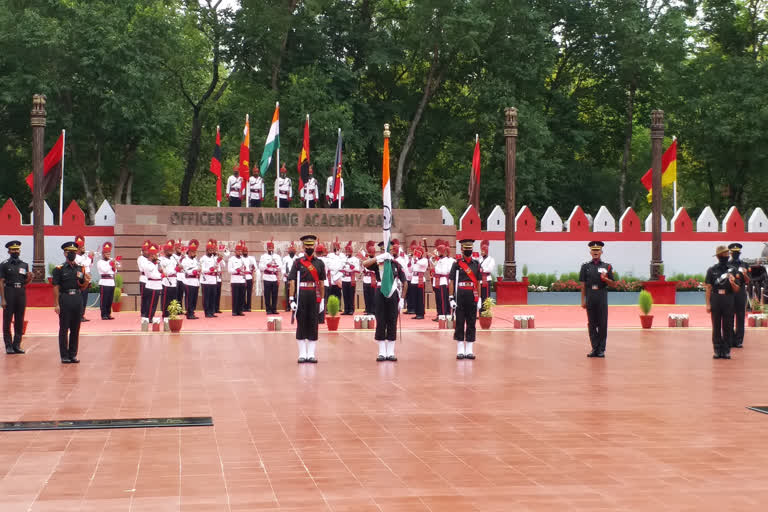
(510, 138)
(657, 137)
(37, 120)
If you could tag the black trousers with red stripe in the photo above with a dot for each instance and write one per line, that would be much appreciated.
(106, 296)
(369, 294)
(191, 292)
(169, 294)
(149, 302)
(248, 294)
(441, 300)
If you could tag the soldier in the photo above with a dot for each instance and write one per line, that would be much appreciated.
(310, 192)
(191, 278)
(269, 264)
(285, 268)
(220, 266)
(330, 198)
(85, 261)
(595, 277)
(250, 270)
(464, 298)
(487, 266)
(370, 283)
(283, 189)
(209, 270)
(740, 299)
(333, 265)
(721, 285)
(306, 277)
(410, 259)
(255, 188)
(142, 278)
(106, 268)
(349, 271)
(170, 270)
(153, 289)
(69, 279)
(418, 269)
(443, 267)
(235, 188)
(320, 255)
(14, 277)
(387, 308)
(237, 269)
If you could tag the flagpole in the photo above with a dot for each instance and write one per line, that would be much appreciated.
(338, 199)
(61, 188)
(218, 181)
(306, 194)
(674, 183)
(277, 163)
(245, 185)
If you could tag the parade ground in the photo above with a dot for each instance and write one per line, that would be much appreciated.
(530, 425)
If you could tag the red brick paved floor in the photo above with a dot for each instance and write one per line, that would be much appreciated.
(532, 424)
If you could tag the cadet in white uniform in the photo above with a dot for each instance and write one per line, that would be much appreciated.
(333, 201)
(235, 188)
(85, 261)
(153, 289)
(349, 271)
(250, 270)
(169, 268)
(209, 269)
(270, 264)
(192, 278)
(236, 267)
(487, 267)
(255, 188)
(310, 193)
(283, 189)
(106, 267)
(286, 266)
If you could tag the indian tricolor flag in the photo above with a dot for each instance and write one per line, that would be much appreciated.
(273, 142)
(387, 275)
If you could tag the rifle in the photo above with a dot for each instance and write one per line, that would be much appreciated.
(298, 282)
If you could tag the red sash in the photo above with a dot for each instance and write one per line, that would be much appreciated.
(313, 272)
(471, 275)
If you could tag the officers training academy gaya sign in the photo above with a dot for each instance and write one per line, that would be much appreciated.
(304, 220)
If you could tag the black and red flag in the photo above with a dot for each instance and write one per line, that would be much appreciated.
(337, 171)
(303, 166)
(52, 167)
(474, 179)
(216, 164)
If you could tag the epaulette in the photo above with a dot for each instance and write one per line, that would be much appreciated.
(59, 266)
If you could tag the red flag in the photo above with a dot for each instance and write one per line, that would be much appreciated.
(51, 167)
(303, 166)
(669, 157)
(337, 171)
(245, 152)
(474, 178)
(216, 164)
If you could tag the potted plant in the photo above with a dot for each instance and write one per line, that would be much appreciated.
(332, 318)
(486, 315)
(51, 267)
(174, 320)
(645, 301)
(118, 295)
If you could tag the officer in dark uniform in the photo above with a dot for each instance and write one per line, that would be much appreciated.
(387, 308)
(595, 277)
(14, 276)
(69, 279)
(721, 285)
(740, 299)
(464, 298)
(309, 271)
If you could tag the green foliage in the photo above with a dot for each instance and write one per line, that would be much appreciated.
(174, 309)
(333, 305)
(141, 85)
(487, 308)
(645, 302)
(118, 280)
(117, 296)
(525, 270)
(51, 267)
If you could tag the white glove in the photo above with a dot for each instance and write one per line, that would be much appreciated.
(401, 304)
(453, 302)
(322, 305)
(381, 258)
(294, 306)
(479, 305)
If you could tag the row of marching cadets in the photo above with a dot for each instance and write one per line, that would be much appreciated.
(237, 189)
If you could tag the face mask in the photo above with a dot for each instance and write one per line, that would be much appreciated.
(71, 256)
(14, 255)
(309, 252)
(467, 253)
(722, 259)
(291, 254)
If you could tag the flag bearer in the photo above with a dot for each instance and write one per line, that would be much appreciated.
(306, 277)
(387, 307)
(310, 193)
(235, 187)
(283, 189)
(14, 277)
(255, 188)
(465, 299)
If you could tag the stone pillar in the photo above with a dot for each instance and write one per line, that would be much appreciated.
(657, 137)
(510, 137)
(37, 120)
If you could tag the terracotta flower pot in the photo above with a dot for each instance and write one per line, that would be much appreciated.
(116, 307)
(332, 322)
(175, 324)
(485, 322)
(646, 321)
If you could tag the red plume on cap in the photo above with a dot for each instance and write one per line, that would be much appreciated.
(106, 247)
(441, 249)
(292, 247)
(193, 245)
(168, 245)
(484, 244)
(146, 244)
(177, 243)
(210, 245)
(348, 247)
(239, 246)
(80, 240)
(336, 244)
(320, 249)
(418, 251)
(271, 244)
(152, 249)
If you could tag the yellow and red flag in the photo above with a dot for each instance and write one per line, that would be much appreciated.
(668, 170)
